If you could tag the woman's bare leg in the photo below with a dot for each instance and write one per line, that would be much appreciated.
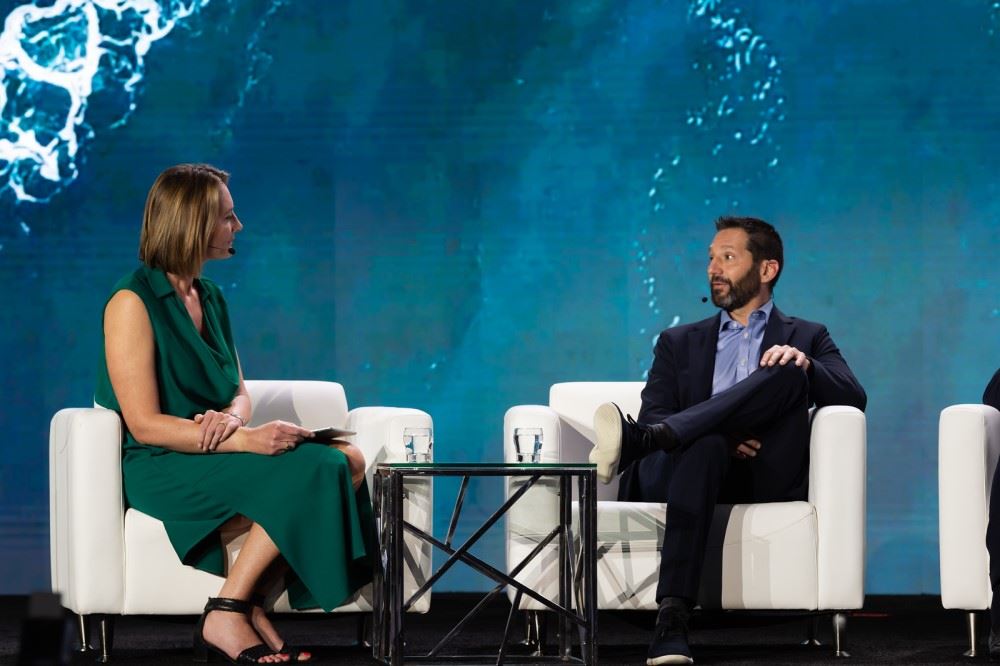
(262, 567)
(356, 464)
(232, 632)
(355, 460)
(261, 622)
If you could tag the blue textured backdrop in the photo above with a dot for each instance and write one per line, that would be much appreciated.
(452, 205)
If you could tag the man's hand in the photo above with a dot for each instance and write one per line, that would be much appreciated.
(782, 354)
(747, 449)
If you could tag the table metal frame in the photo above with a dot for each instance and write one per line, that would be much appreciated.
(577, 571)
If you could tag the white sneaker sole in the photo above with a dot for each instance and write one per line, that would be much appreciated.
(669, 659)
(607, 449)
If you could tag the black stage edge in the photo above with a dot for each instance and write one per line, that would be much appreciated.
(890, 629)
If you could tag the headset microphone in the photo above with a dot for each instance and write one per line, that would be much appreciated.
(230, 250)
(704, 299)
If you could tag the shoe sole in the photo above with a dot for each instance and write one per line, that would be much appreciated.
(669, 659)
(607, 449)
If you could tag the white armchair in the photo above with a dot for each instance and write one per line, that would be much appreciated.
(968, 448)
(807, 556)
(109, 561)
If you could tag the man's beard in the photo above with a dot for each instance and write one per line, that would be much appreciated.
(740, 293)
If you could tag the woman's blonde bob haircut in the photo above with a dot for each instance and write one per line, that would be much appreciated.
(182, 209)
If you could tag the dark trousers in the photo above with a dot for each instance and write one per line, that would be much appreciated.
(772, 406)
(993, 533)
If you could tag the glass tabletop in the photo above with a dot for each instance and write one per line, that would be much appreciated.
(444, 466)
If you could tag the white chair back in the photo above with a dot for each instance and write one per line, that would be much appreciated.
(575, 403)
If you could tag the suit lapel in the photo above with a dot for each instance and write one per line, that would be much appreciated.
(778, 330)
(701, 350)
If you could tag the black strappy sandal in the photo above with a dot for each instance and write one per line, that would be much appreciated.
(293, 652)
(203, 650)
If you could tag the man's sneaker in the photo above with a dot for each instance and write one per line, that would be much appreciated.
(670, 642)
(621, 441)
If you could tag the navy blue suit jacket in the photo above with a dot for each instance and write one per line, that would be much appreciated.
(684, 364)
(991, 396)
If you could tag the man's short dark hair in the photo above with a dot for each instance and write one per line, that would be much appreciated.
(764, 242)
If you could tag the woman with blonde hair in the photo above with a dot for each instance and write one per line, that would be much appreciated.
(170, 369)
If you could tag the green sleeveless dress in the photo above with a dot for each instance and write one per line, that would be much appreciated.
(303, 498)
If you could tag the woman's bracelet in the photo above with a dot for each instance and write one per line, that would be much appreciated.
(242, 420)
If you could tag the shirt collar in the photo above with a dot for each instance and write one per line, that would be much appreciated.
(159, 283)
(764, 311)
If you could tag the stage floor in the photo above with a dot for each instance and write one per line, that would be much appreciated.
(891, 629)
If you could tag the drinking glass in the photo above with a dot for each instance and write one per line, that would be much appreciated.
(418, 443)
(528, 444)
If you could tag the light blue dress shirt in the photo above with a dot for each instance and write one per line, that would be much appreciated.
(737, 353)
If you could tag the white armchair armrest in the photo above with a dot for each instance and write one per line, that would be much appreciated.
(380, 431)
(380, 438)
(968, 446)
(837, 486)
(533, 516)
(85, 509)
(533, 416)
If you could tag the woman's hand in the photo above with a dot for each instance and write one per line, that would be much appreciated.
(274, 437)
(216, 427)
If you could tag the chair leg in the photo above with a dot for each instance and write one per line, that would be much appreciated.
(840, 635)
(812, 632)
(542, 630)
(970, 625)
(83, 626)
(536, 630)
(529, 630)
(107, 631)
(364, 627)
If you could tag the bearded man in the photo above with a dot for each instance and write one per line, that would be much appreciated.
(722, 422)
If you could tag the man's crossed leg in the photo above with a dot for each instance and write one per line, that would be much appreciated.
(687, 461)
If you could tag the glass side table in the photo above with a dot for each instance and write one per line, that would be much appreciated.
(576, 606)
